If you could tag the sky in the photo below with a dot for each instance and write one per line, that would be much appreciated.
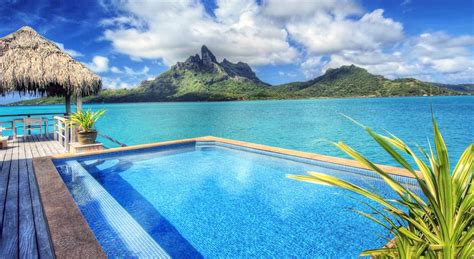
(127, 41)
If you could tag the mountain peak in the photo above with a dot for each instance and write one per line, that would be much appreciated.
(347, 68)
(207, 63)
(207, 56)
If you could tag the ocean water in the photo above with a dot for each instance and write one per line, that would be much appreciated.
(305, 125)
(243, 206)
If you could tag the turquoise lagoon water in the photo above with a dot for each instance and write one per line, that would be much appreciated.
(306, 125)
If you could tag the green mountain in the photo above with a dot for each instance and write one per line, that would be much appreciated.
(353, 81)
(203, 78)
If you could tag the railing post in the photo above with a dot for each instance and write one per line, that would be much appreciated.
(66, 136)
(60, 132)
(29, 127)
(55, 137)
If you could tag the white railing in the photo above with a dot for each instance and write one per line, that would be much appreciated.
(63, 132)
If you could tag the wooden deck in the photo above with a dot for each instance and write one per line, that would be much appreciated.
(24, 233)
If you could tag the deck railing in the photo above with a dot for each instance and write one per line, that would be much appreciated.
(62, 130)
(11, 117)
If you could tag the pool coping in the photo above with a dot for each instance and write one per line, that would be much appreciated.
(69, 231)
(301, 154)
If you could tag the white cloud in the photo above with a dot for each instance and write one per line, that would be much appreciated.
(71, 52)
(313, 66)
(314, 34)
(116, 70)
(244, 30)
(326, 34)
(297, 9)
(176, 30)
(121, 21)
(115, 83)
(125, 77)
(429, 56)
(99, 64)
(131, 72)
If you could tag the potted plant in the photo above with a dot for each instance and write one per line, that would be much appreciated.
(84, 123)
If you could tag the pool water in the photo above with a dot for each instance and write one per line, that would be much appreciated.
(218, 200)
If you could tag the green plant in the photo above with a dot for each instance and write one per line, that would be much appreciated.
(437, 224)
(85, 120)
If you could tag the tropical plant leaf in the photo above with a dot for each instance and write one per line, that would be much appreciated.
(437, 224)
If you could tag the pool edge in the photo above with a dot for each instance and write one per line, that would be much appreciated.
(69, 232)
(312, 156)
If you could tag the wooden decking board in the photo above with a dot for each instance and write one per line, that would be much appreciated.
(5, 173)
(42, 234)
(27, 237)
(9, 243)
(23, 229)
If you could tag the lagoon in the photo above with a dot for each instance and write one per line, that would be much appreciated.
(305, 125)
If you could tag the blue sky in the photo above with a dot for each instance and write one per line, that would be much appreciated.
(127, 41)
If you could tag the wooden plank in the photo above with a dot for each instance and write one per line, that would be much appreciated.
(42, 234)
(58, 147)
(23, 229)
(39, 147)
(34, 150)
(45, 145)
(4, 175)
(27, 235)
(9, 241)
(54, 146)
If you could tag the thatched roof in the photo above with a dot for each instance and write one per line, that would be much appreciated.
(29, 63)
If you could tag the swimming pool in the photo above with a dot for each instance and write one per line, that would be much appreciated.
(214, 199)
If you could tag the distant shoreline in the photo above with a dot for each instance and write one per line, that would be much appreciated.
(217, 101)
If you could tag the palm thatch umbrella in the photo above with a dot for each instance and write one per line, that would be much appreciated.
(31, 64)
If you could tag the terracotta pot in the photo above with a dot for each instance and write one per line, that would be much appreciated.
(86, 137)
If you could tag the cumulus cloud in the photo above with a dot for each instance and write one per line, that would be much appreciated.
(125, 77)
(176, 30)
(326, 34)
(429, 56)
(315, 35)
(115, 83)
(99, 64)
(297, 9)
(313, 66)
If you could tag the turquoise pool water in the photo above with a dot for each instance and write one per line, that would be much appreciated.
(220, 201)
(305, 125)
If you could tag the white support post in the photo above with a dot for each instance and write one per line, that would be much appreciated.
(66, 136)
(55, 128)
